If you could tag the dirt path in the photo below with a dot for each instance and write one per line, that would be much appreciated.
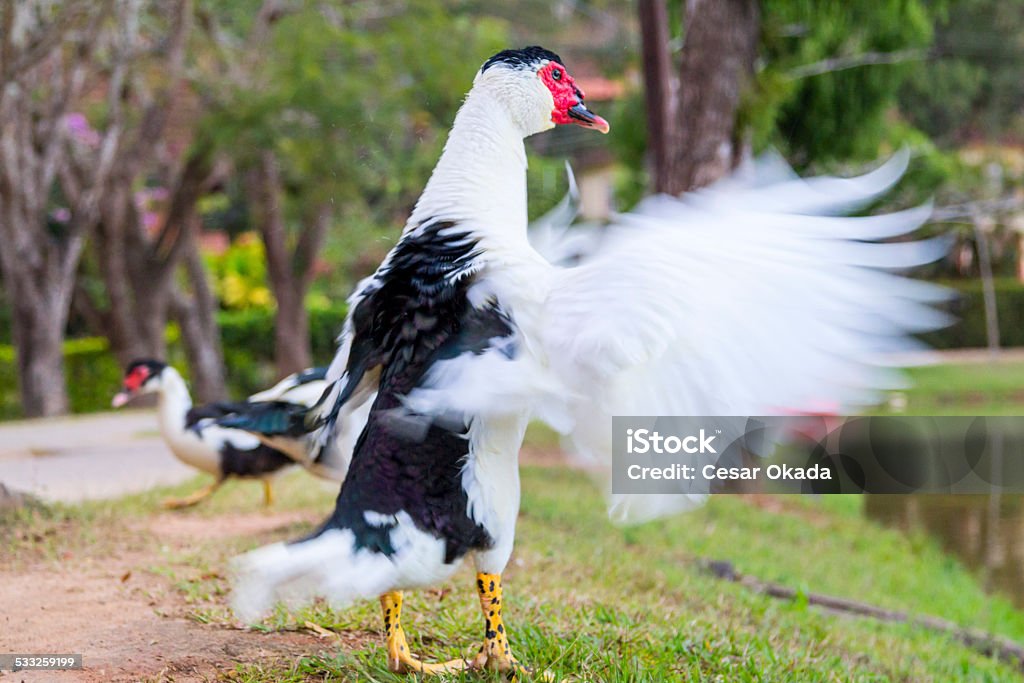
(130, 622)
(114, 592)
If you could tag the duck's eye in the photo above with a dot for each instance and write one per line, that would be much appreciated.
(556, 74)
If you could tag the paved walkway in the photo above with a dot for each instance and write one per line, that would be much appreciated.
(87, 457)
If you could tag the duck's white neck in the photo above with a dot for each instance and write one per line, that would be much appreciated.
(480, 179)
(173, 402)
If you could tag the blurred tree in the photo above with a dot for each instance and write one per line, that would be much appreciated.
(691, 116)
(972, 88)
(832, 74)
(45, 51)
(660, 101)
(290, 267)
(826, 74)
(332, 112)
(145, 213)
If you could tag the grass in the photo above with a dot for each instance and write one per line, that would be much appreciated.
(592, 602)
(963, 389)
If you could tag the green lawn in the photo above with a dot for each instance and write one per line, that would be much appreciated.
(968, 389)
(592, 602)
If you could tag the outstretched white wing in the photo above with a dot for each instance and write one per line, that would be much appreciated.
(752, 297)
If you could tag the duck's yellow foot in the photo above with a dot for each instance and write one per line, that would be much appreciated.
(496, 654)
(192, 499)
(400, 659)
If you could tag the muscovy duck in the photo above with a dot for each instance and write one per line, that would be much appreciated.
(194, 437)
(745, 299)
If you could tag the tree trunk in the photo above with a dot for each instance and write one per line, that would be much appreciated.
(292, 349)
(137, 275)
(138, 271)
(196, 315)
(659, 91)
(691, 116)
(38, 330)
(719, 49)
(290, 269)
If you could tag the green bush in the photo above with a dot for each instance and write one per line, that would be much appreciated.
(248, 340)
(969, 331)
(247, 337)
(94, 375)
(10, 406)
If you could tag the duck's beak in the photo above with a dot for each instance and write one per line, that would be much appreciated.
(120, 398)
(582, 116)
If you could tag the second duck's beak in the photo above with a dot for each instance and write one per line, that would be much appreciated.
(582, 116)
(120, 398)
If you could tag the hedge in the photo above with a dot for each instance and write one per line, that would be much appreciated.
(94, 375)
(248, 339)
(969, 308)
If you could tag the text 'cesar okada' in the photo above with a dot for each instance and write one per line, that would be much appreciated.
(817, 454)
(645, 442)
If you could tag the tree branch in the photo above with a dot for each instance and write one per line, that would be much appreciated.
(988, 644)
(40, 46)
(308, 245)
(173, 238)
(834, 64)
(968, 210)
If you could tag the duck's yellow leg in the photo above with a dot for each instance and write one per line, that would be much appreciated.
(400, 659)
(268, 493)
(495, 655)
(192, 499)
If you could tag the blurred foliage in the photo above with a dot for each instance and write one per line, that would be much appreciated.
(5, 322)
(969, 331)
(10, 402)
(240, 274)
(972, 86)
(819, 100)
(839, 114)
(94, 374)
(351, 98)
(628, 142)
(248, 344)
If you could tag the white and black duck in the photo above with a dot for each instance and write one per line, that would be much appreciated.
(194, 437)
(745, 299)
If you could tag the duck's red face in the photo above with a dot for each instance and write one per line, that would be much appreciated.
(569, 107)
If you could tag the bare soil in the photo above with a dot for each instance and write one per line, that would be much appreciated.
(112, 591)
(129, 621)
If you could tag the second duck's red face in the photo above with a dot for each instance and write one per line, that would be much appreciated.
(135, 378)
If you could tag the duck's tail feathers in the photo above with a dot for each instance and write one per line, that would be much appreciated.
(326, 565)
(368, 556)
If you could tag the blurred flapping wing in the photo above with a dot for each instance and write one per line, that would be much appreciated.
(752, 297)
